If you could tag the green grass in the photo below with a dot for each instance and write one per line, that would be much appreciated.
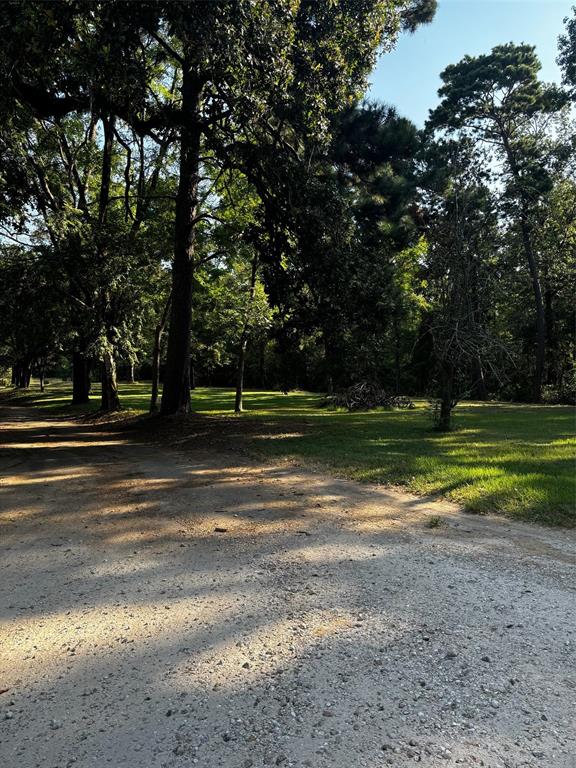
(55, 400)
(519, 460)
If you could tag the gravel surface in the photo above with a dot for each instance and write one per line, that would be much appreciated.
(162, 610)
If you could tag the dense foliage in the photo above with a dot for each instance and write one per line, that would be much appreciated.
(196, 192)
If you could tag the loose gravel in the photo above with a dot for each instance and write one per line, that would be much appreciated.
(163, 610)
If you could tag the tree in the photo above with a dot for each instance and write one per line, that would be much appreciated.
(33, 327)
(349, 218)
(498, 99)
(90, 182)
(460, 269)
(249, 79)
(159, 328)
(258, 76)
(79, 183)
(556, 241)
(567, 55)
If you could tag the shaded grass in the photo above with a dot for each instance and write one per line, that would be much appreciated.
(56, 399)
(518, 460)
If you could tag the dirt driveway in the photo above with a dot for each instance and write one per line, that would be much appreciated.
(170, 609)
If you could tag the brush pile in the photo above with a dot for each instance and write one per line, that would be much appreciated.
(365, 396)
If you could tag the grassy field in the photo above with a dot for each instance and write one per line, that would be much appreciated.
(519, 460)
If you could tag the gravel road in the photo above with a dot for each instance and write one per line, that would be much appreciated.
(163, 610)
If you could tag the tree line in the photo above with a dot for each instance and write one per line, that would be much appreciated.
(197, 191)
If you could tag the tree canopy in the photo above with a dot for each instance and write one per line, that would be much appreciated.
(198, 191)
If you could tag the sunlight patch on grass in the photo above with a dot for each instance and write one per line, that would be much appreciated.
(515, 459)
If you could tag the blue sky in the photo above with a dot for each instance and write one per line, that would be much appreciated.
(408, 77)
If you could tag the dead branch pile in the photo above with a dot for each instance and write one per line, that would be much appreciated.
(365, 396)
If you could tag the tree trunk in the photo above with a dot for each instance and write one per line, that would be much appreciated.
(131, 379)
(480, 391)
(176, 392)
(110, 400)
(329, 362)
(108, 123)
(540, 311)
(240, 375)
(397, 356)
(262, 364)
(80, 378)
(23, 375)
(41, 377)
(446, 398)
(330, 385)
(156, 354)
(156, 368)
(244, 339)
(534, 272)
(552, 358)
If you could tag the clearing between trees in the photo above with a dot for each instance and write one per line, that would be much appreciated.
(168, 609)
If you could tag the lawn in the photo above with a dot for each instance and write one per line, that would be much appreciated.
(519, 460)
